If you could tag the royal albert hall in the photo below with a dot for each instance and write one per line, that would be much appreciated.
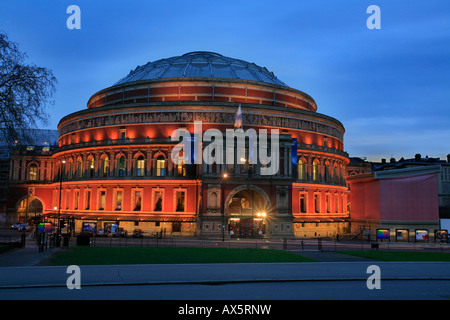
(113, 165)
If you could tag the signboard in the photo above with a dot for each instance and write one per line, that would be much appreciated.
(442, 236)
(89, 227)
(382, 234)
(402, 235)
(111, 227)
(421, 235)
(45, 227)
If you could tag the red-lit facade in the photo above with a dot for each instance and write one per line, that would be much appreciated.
(113, 163)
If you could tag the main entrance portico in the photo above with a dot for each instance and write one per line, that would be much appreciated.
(247, 208)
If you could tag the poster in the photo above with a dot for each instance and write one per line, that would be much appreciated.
(402, 235)
(422, 235)
(383, 234)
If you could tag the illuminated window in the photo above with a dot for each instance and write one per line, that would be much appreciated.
(301, 170)
(181, 169)
(105, 166)
(32, 172)
(91, 168)
(160, 166)
(315, 172)
(140, 166)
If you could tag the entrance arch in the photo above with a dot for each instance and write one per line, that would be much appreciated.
(28, 208)
(247, 208)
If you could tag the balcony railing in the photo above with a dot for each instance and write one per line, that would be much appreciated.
(115, 142)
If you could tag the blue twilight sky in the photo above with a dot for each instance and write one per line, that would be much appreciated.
(389, 87)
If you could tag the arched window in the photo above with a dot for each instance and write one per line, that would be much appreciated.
(160, 166)
(80, 169)
(315, 173)
(105, 166)
(33, 172)
(181, 169)
(301, 170)
(91, 168)
(140, 166)
(122, 166)
(70, 172)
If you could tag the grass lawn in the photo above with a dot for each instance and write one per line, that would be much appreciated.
(400, 255)
(139, 255)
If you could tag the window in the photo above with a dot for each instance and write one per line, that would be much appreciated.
(316, 203)
(122, 134)
(87, 200)
(118, 201)
(67, 199)
(315, 172)
(70, 173)
(76, 200)
(102, 200)
(303, 203)
(105, 166)
(301, 170)
(336, 203)
(160, 166)
(80, 169)
(33, 172)
(328, 203)
(122, 166)
(181, 169)
(140, 166)
(158, 201)
(137, 200)
(180, 201)
(91, 168)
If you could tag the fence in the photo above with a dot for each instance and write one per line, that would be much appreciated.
(295, 245)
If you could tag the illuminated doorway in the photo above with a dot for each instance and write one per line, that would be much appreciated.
(247, 212)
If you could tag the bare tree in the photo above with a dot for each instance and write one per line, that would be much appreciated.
(25, 90)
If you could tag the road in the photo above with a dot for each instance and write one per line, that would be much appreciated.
(265, 281)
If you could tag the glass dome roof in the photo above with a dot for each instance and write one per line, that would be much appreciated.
(201, 64)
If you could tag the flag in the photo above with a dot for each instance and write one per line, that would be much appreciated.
(238, 121)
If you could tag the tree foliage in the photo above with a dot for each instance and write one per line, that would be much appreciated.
(25, 90)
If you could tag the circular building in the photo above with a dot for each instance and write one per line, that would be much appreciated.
(256, 160)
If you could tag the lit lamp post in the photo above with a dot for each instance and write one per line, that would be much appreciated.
(224, 178)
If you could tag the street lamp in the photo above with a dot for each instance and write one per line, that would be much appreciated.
(60, 192)
(224, 178)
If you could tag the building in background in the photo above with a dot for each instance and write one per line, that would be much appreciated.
(39, 139)
(113, 167)
(402, 197)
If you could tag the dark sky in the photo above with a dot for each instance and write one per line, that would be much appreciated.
(389, 87)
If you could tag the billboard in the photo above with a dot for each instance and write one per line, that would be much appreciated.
(382, 234)
(421, 235)
(402, 235)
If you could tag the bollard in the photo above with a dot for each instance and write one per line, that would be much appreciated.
(22, 240)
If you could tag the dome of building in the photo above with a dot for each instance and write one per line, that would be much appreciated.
(201, 64)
